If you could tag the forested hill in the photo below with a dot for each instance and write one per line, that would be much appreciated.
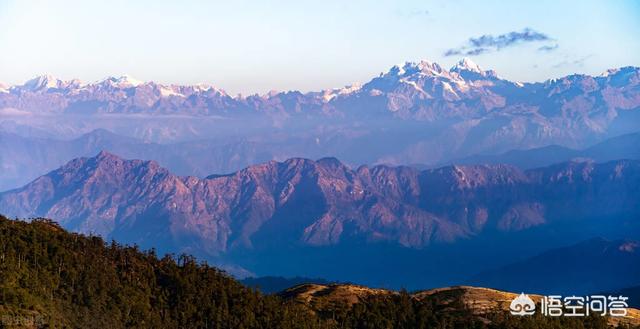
(50, 278)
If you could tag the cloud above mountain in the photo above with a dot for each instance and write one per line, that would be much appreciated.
(577, 62)
(491, 43)
(548, 48)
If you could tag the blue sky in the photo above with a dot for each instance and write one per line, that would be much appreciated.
(255, 46)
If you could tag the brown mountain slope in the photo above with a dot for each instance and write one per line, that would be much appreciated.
(479, 301)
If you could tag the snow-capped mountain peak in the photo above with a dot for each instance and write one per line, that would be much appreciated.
(46, 82)
(202, 87)
(42, 82)
(423, 67)
(329, 94)
(123, 81)
(466, 64)
(430, 68)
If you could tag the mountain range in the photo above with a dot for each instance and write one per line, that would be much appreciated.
(421, 91)
(590, 266)
(443, 173)
(262, 216)
(23, 159)
(416, 113)
(620, 147)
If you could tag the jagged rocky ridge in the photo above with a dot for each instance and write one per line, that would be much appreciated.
(320, 203)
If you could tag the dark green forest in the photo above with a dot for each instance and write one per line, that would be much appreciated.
(50, 278)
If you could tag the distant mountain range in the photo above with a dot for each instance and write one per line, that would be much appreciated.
(413, 113)
(256, 216)
(23, 159)
(621, 147)
(421, 91)
(633, 293)
(500, 171)
(588, 267)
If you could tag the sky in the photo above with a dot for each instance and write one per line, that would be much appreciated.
(255, 46)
